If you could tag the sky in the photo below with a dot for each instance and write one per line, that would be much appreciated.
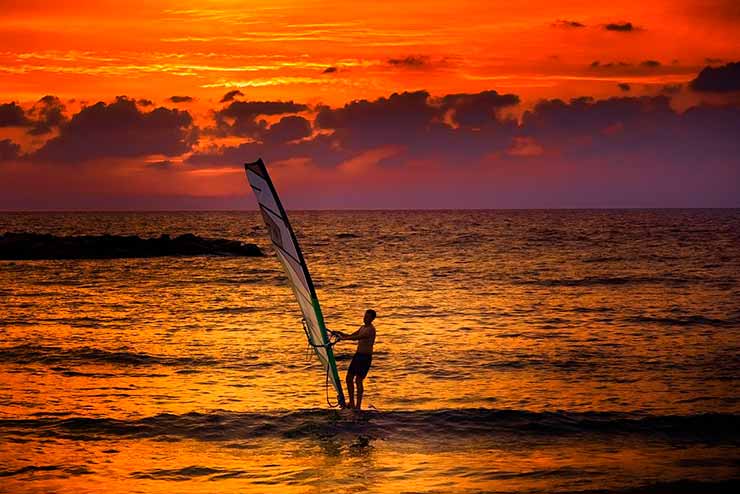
(374, 105)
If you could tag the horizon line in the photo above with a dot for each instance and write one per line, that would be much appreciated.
(593, 208)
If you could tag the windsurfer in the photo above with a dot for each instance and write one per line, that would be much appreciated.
(360, 365)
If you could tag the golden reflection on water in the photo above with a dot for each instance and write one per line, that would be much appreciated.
(269, 466)
(493, 319)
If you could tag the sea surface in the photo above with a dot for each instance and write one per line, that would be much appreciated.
(517, 351)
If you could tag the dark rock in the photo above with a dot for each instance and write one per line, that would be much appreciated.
(17, 246)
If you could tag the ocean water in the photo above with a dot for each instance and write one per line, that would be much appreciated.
(517, 351)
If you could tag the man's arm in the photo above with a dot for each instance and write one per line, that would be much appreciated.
(340, 334)
(360, 334)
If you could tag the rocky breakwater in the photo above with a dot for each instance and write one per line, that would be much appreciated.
(22, 246)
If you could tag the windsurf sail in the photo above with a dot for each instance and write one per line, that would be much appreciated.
(290, 255)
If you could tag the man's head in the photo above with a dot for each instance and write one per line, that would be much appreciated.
(370, 316)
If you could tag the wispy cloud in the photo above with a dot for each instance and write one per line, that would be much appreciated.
(274, 81)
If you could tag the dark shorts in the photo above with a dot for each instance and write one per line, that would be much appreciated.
(360, 364)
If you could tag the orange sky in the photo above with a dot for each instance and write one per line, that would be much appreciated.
(84, 52)
(278, 49)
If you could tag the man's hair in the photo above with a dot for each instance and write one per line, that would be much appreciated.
(372, 313)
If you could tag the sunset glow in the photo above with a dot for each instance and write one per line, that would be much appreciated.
(59, 60)
(396, 246)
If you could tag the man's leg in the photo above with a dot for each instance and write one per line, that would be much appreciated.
(351, 389)
(360, 390)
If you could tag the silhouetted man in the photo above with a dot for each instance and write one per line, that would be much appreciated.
(360, 364)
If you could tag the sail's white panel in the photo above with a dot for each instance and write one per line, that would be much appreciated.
(283, 241)
(262, 191)
(302, 293)
(290, 256)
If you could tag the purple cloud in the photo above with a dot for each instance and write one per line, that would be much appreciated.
(120, 129)
(48, 113)
(411, 61)
(562, 23)
(231, 95)
(180, 99)
(9, 150)
(12, 115)
(724, 79)
(240, 117)
(620, 27)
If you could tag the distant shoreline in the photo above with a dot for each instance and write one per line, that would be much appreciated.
(22, 246)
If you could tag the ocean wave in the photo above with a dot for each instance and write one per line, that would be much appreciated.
(693, 320)
(392, 238)
(37, 354)
(682, 486)
(609, 281)
(604, 259)
(34, 469)
(587, 310)
(712, 428)
(231, 310)
(186, 473)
